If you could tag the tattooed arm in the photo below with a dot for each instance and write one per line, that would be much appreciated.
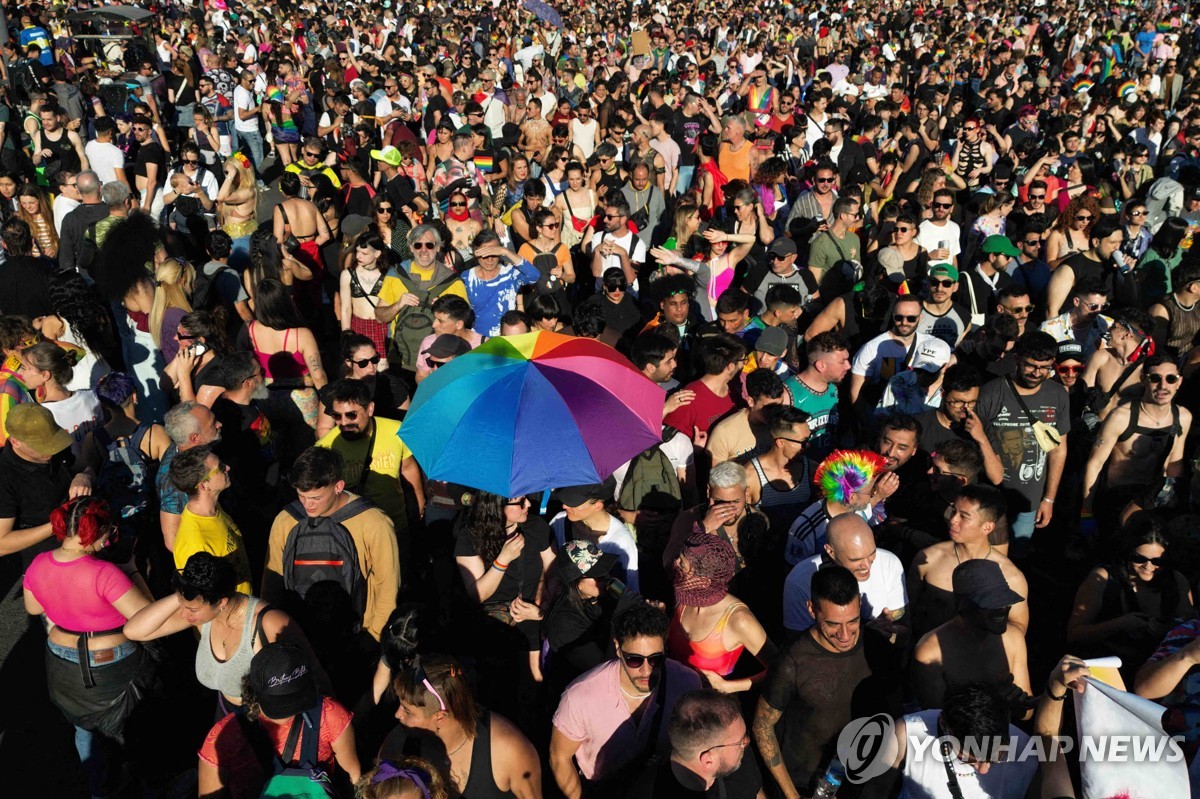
(765, 719)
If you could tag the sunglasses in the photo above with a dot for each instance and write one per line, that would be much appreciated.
(385, 209)
(1032, 242)
(612, 216)
(1156, 379)
(458, 205)
(904, 318)
(970, 130)
(617, 287)
(186, 162)
(900, 229)
(517, 503)
(637, 661)
(422, 245)
(312, 154)
(1069, 370)
(945, 284)
(1137, 213)
(432, 364)
(1083, 217)
(1142, 559)
(826, 180)
(1037, 196)
(1017, 310)
(803, 442)
(349, 416)
(941, 205)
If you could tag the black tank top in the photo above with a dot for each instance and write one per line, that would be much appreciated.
(481, 784)
(65, 158)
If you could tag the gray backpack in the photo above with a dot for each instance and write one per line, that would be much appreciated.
(320, 549)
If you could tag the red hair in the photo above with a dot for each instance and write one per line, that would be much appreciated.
(86, 517)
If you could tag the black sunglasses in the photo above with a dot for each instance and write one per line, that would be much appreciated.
(362, 363)
(637, 661)
(941, 283)
(1139, 559)
(904, 318)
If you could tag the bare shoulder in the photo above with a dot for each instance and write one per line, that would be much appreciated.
(1014, 576)
(508, 741)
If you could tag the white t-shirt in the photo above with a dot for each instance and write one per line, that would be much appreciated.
(208, 182)
(883, 589)
(63, 205)
(932, 237)
(105, 159)
(243, 100)
(617, 541)
(637, 255)
(883, 356)
(77, 414)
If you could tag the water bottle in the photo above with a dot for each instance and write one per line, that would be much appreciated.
(827, 788)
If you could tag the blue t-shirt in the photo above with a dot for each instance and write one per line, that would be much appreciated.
(170, 498)
(35, 34)
(491, 299)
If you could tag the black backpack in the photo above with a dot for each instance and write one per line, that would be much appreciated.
(203, 296)
(320, 549)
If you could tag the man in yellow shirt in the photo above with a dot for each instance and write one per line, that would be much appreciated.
(408, 291)
(375, 458)
(203, 526)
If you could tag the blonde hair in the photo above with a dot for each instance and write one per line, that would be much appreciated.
(174, 283)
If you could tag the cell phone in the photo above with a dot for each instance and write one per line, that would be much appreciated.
(199, 348)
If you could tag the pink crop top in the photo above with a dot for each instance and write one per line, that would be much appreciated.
(709, 653)
(284, 364)
(79, 594)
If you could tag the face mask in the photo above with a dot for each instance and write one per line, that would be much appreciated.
(991, 621)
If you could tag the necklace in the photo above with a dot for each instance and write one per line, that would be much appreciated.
(1151, 416)
(75, 551)
(638, 697)
(958, 558)
(460, 746)
(1181, 306)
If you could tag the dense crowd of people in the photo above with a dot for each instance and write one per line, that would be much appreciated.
(915, 280)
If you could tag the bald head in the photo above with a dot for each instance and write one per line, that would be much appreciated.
(851, 543)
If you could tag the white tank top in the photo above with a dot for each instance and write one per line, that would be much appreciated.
(925, 773)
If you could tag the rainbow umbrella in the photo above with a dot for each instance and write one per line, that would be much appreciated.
(526, 413)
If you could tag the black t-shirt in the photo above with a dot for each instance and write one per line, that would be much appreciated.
(687, 132)
(522, 576)
(248, 446)
(30, 491)
(819, 693)
(400, 190)
(151, 152)
(25, 286)
(661, 783)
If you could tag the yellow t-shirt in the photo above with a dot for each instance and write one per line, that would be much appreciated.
(383, 483)
(217, 535)
(393, 288)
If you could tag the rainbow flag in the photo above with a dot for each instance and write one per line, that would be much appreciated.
(1083, 85)
(275, 95)
(1125, 88)
(485, 163)
(1106, 70)
(1164, 27)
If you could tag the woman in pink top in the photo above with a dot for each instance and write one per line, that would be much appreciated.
(94, 673)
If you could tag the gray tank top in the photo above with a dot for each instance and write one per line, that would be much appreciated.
(226, 676)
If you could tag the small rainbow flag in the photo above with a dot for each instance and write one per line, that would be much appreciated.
(485, 163)
(275, 95)
(1125, 88)
(1083, 85)
(1164, 27)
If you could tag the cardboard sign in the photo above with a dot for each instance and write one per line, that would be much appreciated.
(641, 42)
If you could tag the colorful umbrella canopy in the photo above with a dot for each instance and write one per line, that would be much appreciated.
(545, 12)
(526, 413)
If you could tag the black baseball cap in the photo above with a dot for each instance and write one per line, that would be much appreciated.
(982, 583)
(574, 496)
(283, 680)
(447, 345)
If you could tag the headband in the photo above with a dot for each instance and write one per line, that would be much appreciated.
(387, 771)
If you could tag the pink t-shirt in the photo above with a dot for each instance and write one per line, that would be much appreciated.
(78, 594)
(593, 712)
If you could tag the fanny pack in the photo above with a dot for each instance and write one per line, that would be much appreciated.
(1048, 438)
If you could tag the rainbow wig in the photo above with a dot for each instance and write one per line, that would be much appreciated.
(845, 471)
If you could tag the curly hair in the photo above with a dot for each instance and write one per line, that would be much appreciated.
(208, 577)
(769, 172)
(120, 264)
(1084, 202)
(87, 518)
(78, 304)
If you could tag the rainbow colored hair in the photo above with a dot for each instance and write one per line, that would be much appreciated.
(845, 471)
